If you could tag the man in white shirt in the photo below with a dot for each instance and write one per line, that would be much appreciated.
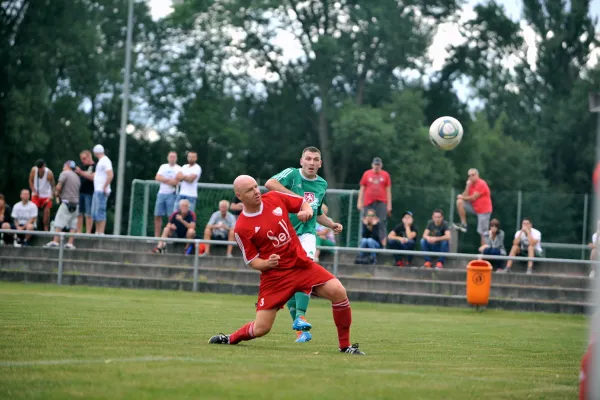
(165, 199)
(188, 176)
(24, 214)
(103, 176)
(527, 242)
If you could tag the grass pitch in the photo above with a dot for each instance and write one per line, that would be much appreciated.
(96, 343)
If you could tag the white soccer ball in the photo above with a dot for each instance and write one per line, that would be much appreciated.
(445, 133)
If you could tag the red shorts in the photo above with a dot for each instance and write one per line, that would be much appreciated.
(42, 202)
(278, 286)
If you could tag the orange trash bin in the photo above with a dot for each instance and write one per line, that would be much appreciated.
(479, 282)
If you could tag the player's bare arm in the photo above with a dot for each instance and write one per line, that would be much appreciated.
(305, 213)
(262, 265)
(52, 182)
(31, 177)
(329, 223)
(276, 186)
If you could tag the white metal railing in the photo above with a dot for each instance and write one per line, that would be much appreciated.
(336, 250)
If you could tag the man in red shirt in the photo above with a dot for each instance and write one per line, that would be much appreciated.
(270, 245)
(476, 199)
(376, 194)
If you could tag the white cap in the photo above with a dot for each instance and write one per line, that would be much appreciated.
(98, 149)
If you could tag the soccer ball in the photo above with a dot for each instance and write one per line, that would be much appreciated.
(445, 133)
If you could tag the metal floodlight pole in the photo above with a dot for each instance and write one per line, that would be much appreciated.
(123, 133)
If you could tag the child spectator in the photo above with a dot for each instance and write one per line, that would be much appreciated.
(494, 243)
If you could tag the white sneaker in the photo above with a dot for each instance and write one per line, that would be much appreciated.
(17, 244)
(70, 246)
(592, 274)
(229, 256)
(51, 244)
(1, 243)
(529, 271)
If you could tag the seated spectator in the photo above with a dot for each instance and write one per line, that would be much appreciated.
(5, 218)
(220, 227)
(594, 246)
(24, 215)
(370, 238)
(436, 238)
(236, 206)
(403, 237)
(493, 240)
(182, 224)
(325, 236)
(527, 242)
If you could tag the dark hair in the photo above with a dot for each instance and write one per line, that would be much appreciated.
(527, 219)
(1, 196)
(40, 163)
(312, 149)
(438, 210)
(495, 222)
(191, 151)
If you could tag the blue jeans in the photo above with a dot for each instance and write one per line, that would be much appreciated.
(369, 244)
(442, 246)
(180, 197)
(85, 204)
(397, 245)
(494, 252)
(164, 204)
(99, 206)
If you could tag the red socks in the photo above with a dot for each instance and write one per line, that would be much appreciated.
(246, 332)
(342, 316)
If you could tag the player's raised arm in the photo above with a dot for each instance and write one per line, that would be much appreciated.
(281, 182)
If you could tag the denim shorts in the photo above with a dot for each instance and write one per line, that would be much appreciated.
(192, 201)
(99, 206)
(85, 204)
(164, 204)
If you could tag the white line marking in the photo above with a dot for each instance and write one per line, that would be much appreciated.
(33, 363)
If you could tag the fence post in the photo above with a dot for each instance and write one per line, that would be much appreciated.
(349, 223)
(196, 258)
(336, 261)
(585, 222)
(132, 194)
(519, 207)
(451, 209)
(145, 210)
(61, 250)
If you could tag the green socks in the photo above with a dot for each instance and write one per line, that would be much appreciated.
(301, 303)
(291, 304)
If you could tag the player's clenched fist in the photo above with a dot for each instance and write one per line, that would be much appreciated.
(305, 215)
(337, 228)
(273, 260)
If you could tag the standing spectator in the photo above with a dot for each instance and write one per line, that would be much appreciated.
(189, 176)
(85, 170)
(24, 215)
(325, 236)
(165, 199)
(376, 194)
(5, 218)
(403, 237)
(182, 224)
(370, 238)
(236, 206)
(493, 240)
(67, 192)
(41, 183)
(475, 199)
(102, 179)
(220, 227)
(527, 241)
(436, 238)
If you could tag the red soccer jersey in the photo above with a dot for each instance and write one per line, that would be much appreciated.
(483, 204)
(375, 186)
(269, 231)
